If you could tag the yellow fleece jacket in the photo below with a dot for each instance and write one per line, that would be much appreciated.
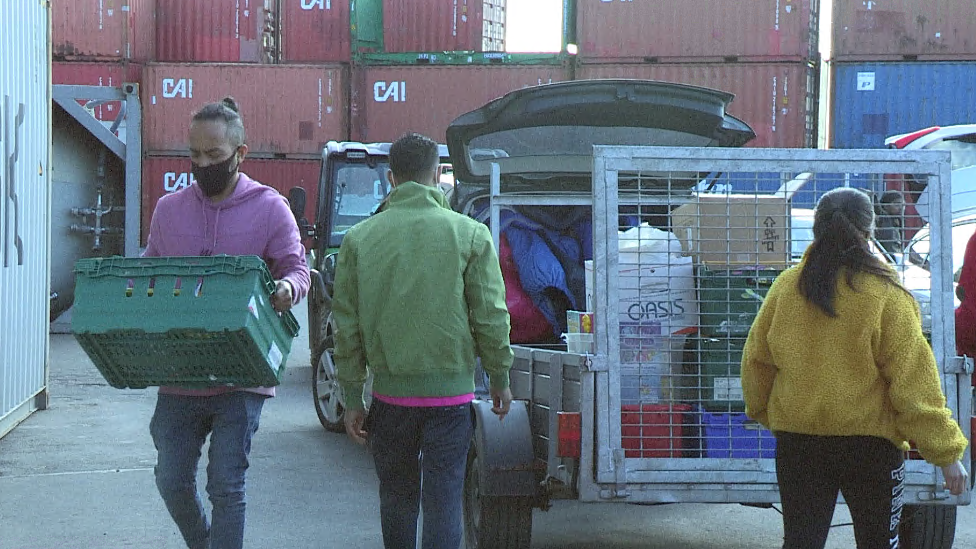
(868, 371)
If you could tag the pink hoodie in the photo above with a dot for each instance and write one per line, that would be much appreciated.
(254, 220)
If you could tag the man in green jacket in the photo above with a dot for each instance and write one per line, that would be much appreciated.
(419, 295)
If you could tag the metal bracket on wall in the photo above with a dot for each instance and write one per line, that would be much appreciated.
(130, 152)
(67, 97)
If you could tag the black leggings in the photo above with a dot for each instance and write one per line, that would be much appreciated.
(811, 470)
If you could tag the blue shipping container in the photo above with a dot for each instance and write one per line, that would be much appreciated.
(873, 101)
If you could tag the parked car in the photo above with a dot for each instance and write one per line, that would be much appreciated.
(912, 273)
(963, 227)
(961, 141)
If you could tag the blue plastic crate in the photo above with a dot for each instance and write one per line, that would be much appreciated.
(733, 435)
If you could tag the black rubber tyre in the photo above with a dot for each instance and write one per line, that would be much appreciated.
(325, 389)
(493, 522)
(927, 526)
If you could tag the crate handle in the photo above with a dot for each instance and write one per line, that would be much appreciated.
(170, 266)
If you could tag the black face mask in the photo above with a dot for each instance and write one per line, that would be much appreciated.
(215, 178)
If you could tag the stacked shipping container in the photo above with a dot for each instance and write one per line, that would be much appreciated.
(309, 71)
(289, 64)
(897, 67)
(765, 52)
(389, 100)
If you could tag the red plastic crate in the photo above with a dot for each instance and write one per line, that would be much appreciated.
(653, 430)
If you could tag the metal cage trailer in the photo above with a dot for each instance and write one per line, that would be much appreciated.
(648, 408)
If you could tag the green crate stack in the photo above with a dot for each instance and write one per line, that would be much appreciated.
(717, 367)
(730, 297)
(191, 322)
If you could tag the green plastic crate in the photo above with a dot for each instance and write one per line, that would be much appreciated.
(719, 365)
(192, 322)
(729, 299)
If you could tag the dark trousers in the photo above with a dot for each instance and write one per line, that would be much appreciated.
(179, 428)
(421, 457)
(811, 470)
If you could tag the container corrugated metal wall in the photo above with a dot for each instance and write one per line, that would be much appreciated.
(893, 29)
(162, 175)
(686, 30)
(388, 101)
(442, 25)
(25, 206)
(315, 31)
(217, 31)
(97, 74)
(872, 101)
(104, 30)
(287, 109)
(778, 100)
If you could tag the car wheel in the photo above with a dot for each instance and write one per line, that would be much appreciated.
(325, 387)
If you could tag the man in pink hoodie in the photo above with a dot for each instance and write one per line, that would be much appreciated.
(224, 212)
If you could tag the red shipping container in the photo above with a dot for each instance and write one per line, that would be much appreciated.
(653, 430)
(685, 30)
(315, 31)
(287, 109)
(389, 101)
(103, 30)
(778, 100)
(96, 74)
(162, 175)
(217, 31)
(892, 30)
(443, 25)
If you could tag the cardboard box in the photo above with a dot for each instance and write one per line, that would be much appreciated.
(735, 229)
(657, 305)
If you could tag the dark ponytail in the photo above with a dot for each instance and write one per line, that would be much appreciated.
(226, 111)
(842, 225)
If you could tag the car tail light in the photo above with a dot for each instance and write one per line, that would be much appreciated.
(570, 434)
(904, 141)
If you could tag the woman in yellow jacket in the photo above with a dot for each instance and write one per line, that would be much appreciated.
(837, 366)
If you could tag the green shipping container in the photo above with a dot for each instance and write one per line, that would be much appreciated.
(460, 58)
(366, 26)
(190, 322)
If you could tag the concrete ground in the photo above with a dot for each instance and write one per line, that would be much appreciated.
(79, 476)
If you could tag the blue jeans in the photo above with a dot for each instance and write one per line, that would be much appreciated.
(179, 427)
(420, 456)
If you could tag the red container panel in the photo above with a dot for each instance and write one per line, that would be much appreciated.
(162, 175)
(218, 31)
(389, 101)
(96, 74)
(287, 109)
(778, 100)
(443, 25)
(691, 29)
(315, 31)
(103, 30)
(932, 30)
(653, 430)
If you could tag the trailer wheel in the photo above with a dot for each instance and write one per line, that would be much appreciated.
(493, 522)
(927, 526)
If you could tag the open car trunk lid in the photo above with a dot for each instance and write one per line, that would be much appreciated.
(551, 129)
